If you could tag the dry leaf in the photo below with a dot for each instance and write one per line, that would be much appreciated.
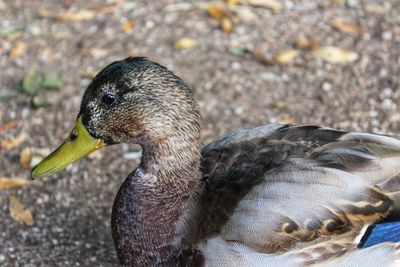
(337, 2)
(374, 9)
(287, 120)
(88, 74)
(346, 28)
(245, 14)
(9, 183)
(80, 15)
(12, 143)
(287, 56)
(185, 43)
(18, 50)
(216, 11)
(260, 57)
(234, 2)
(333, 54)
(304, 43)
(274, 5)
(19, 212)
(97, 154)
(25, 158)
(15, 35)
(108, 8)
(10, 33)
(227, 25)
(98, 52)
(9, 125)
(128, 25)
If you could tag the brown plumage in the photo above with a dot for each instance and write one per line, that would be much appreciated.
(275, 195)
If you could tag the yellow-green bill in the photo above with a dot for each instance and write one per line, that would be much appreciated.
(78, 144)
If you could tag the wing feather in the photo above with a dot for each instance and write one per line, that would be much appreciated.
(275, 188)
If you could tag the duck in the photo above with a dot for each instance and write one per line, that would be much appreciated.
(274, 195)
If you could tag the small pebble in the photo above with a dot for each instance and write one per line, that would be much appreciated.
(236, 66)
(387, 35)
(326, 86)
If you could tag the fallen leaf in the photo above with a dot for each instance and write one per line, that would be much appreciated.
(185, 43)
(18, 50)
(9, 183)
(239, 51)
(80, 15)
(98, 52)
(6, 95)
(108, 8)
(374, 9)
(68, 16)
(175, 7)
(9, 125)
(337, 2)
(304, 43)
(227, 25)
(4, 32)
(130, 6)
(88, 74)
(346, 28)
(234, 2)
(287, 120)
(12, 143)
(274, 5)
(25, 158)
(260, 57)
(128, 25)
(244, 14)
(31, 82)
(51, 83)
(98, 154)
(287, 56)
(42, 101)
(10, 33)
(333, 54)
(19, 212)
(216, 11)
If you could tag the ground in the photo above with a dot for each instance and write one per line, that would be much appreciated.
(234, 76)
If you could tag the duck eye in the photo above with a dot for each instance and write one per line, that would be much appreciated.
(108, 98)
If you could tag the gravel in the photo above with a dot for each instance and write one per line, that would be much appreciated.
(72, 209)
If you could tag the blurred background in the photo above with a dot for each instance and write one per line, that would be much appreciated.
(249, 62)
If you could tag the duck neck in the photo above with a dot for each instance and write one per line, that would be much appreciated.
(155, 207)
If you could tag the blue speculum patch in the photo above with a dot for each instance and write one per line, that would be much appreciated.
(379, 233)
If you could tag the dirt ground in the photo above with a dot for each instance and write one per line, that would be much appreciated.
(234, 76)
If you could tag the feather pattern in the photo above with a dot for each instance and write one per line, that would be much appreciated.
(379, 233)
(301, 192)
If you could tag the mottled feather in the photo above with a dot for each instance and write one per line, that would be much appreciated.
(303, 189)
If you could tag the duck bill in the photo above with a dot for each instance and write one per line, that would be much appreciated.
(78, 144)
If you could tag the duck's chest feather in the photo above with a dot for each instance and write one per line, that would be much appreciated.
(149, 222)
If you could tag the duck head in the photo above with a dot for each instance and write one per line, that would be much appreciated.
(130, 101)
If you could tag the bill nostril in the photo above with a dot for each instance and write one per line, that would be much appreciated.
(73, 136)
